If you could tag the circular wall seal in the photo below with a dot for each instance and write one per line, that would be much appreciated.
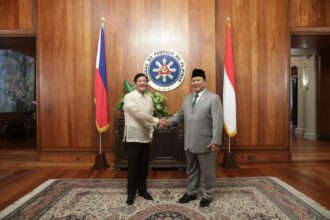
(165, 69)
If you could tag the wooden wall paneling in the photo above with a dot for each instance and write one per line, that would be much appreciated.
(27, 14)
(22, 44)
(202, 39)
(323, 108)
(167, 27)
(261, 56)
(153, 25)
(65, 74)
(117, 27)
(68, 35)
(10, 13)
(259, 156)
(52, 102)
(327, 9)
(17, 17)
(273, 73)
(244, 62)
(69, 156)
(80, 95)
(308, 40)
(310, 13)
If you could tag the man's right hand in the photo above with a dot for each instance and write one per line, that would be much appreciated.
(163, 123)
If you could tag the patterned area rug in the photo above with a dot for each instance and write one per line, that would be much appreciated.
(235, 198)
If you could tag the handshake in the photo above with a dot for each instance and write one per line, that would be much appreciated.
(163, 123)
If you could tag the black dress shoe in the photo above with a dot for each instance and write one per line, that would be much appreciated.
(146, 195)
(187, 198)
(205, 202)
(130, 200)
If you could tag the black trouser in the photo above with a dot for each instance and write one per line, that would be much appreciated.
(138, 158)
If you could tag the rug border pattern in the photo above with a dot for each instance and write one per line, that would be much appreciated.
(33, 195)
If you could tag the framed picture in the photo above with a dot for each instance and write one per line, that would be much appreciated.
(17, 82)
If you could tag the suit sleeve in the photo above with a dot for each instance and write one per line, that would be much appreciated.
(130, 106)
(176, 118)
(217, 120)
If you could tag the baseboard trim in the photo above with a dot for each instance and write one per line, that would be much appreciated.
(310, 136)
(299, 131)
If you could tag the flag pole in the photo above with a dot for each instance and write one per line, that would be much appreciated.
(100, 142)
(228, 144)
(100, 159)
(228, 159)
(228, 21)
(102, 19)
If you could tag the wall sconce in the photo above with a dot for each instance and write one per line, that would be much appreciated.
(305, 83)
(305, 79)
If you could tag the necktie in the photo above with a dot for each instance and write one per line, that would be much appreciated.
(194, 101)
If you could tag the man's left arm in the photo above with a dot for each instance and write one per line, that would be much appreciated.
(217, 123)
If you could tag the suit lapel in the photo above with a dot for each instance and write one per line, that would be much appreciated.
(200, 100)
(190, 100)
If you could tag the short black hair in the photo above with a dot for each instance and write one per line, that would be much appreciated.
(138, 75)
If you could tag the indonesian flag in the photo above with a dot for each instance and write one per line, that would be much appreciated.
(229, 87)
(100, 87)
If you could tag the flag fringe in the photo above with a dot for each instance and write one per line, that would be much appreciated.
(102, 129)
(230, 133)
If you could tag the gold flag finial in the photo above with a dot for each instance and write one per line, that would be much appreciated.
(102, 19)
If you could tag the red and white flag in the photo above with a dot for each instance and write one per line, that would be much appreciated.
(100, 86)
(229, 87)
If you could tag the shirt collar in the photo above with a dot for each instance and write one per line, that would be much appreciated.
(200, 93)
(138, 94)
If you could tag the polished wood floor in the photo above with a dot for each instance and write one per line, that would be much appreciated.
(20, 172)
(308, 150)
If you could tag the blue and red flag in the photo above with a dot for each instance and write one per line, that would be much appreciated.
(100, 86)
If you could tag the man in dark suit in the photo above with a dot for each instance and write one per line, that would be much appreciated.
(202, 114)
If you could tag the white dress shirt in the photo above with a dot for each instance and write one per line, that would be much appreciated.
(139, 122)
(199, 95)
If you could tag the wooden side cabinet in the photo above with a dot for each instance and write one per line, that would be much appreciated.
(166, 150)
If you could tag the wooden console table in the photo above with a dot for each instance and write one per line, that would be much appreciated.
(166, 150)
(16, 122)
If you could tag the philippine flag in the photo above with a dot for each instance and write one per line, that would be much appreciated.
(229, 87)
(100, 86)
